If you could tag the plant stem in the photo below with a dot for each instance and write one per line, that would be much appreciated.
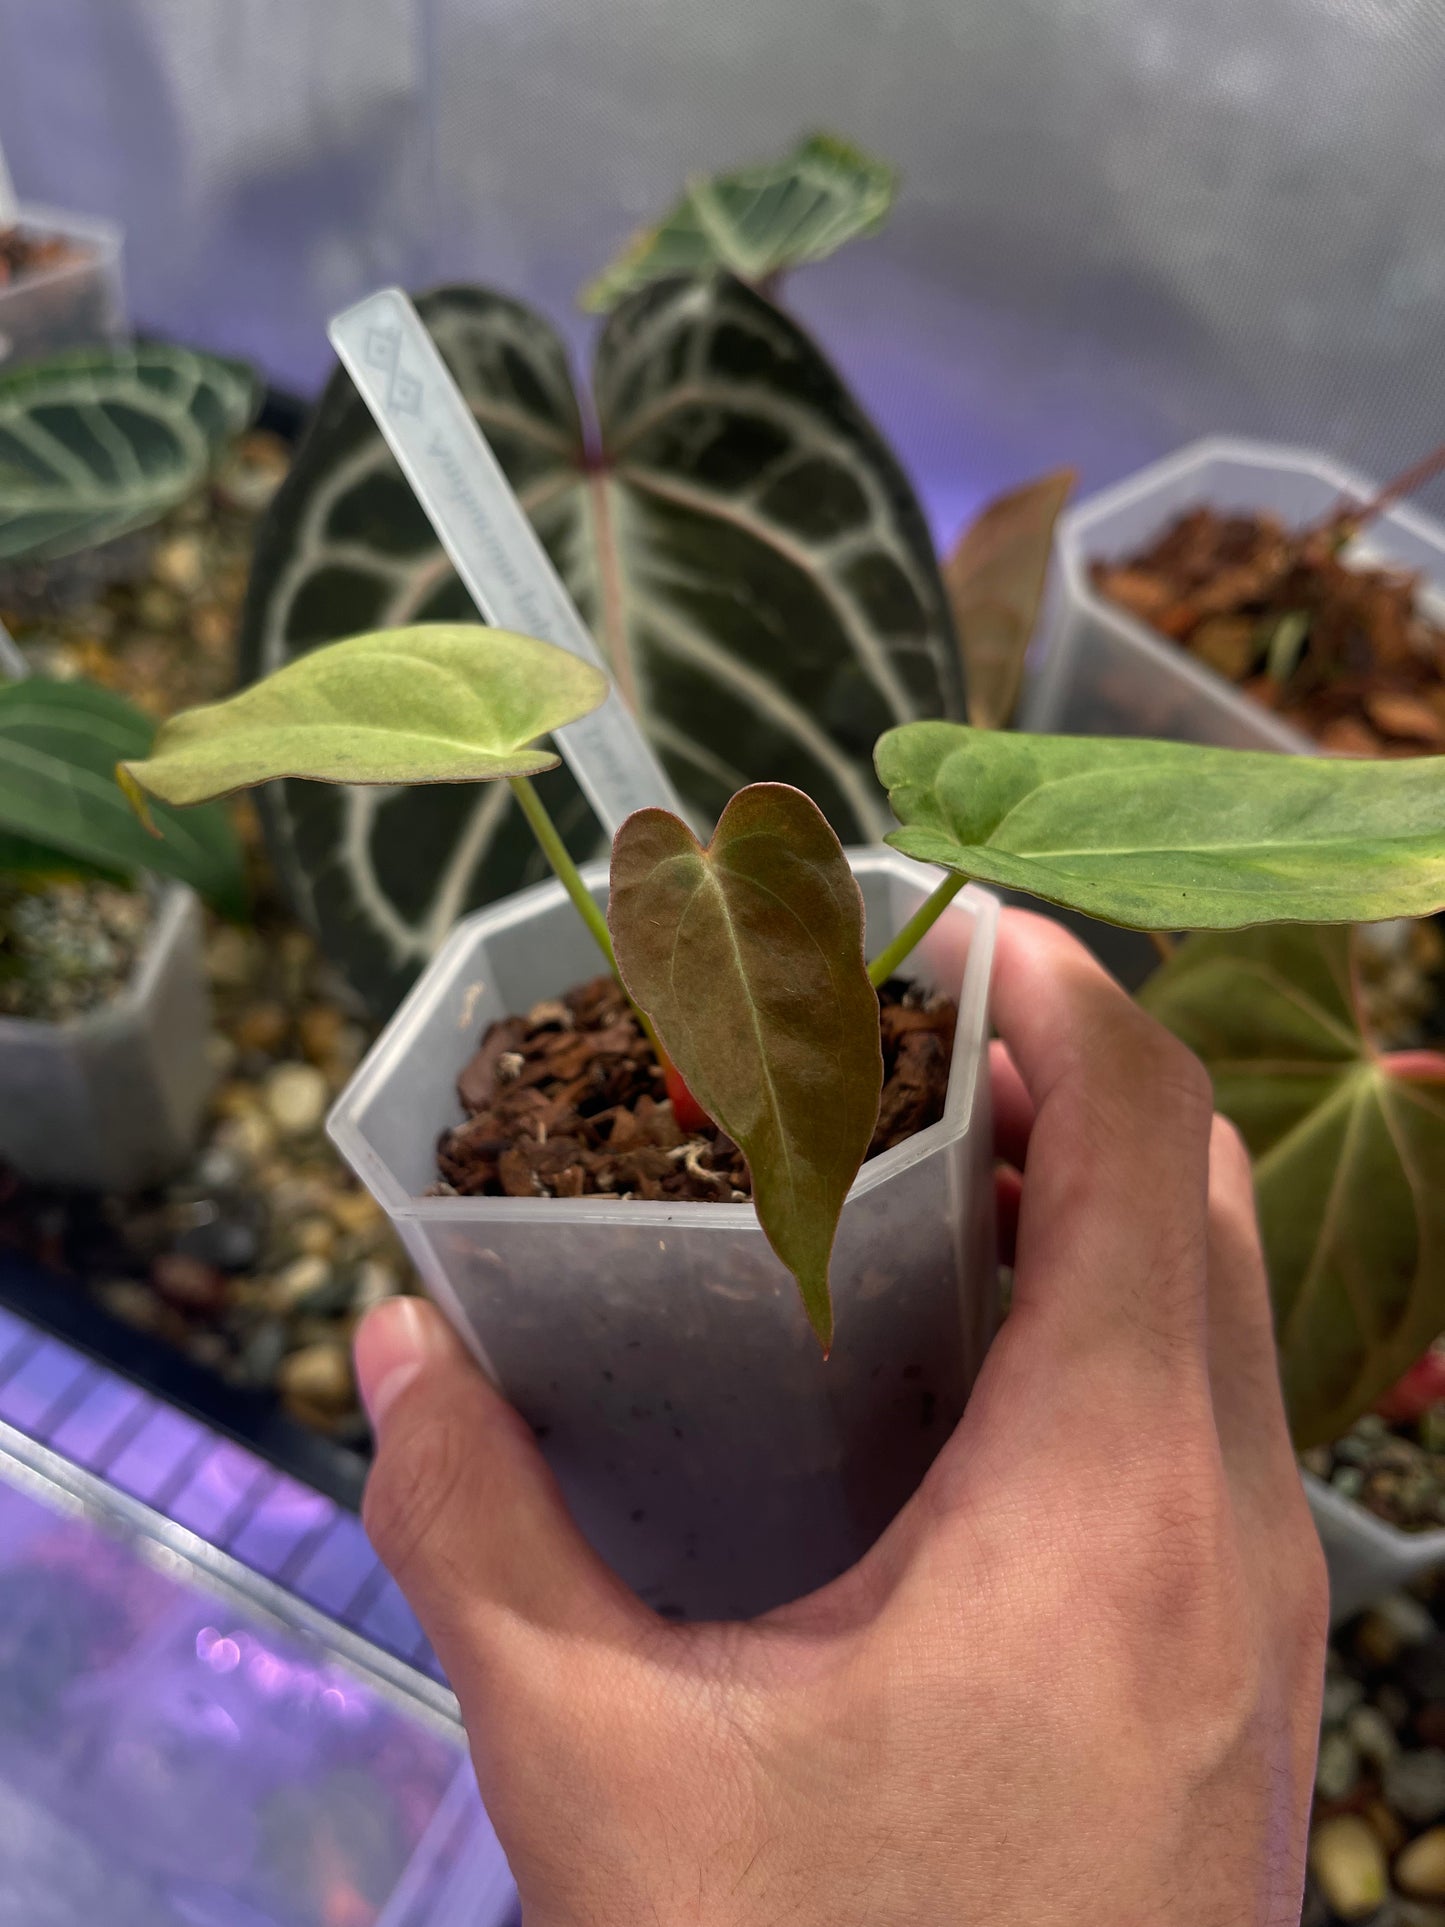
(555, 851)
(914, 931)
(1164, 944)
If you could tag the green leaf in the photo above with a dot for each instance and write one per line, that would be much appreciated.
(1171, 836)
(758, 221)
(440, 703)
(741, 542)
(748, 958)
(995, 581)
(60, 807)
(101, 441)
(1348, 1146)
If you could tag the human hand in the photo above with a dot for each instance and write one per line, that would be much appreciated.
(1077, 1680)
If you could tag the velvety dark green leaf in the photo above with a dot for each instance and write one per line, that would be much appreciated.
(61, 808)
(1349, 1157)
(995, 581)
(100, 441)
(757, 221)
(1171, 836)
(745, 549)
(748, 958)
(439, 703)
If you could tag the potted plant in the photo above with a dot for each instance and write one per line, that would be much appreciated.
(103, 1008)
(1104, 664)
(688, 1397)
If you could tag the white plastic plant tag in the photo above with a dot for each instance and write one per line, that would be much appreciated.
(481, 525)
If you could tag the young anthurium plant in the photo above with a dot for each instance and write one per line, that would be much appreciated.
(745, 957)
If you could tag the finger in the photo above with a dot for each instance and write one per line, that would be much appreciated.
(1112, 1227)
(1243, 1363)
(1013, 1108)
(462, 1509)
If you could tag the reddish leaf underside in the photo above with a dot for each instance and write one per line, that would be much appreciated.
(748, 958)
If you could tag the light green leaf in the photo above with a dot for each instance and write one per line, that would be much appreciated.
(1171, 836)
(757, 221)
(101, 441)
(995, 581)
(736, 534)
(1349, 1151)
(748, 958)
(60, 809)
(439, 703)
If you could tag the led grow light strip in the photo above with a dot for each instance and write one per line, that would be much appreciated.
(481, 525)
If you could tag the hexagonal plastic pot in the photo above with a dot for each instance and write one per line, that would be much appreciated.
(80, 304)
(1101, 672)
(660, 1350)
(1367, 1556)
(113, 1100)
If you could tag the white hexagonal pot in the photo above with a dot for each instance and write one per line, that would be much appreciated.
(660, 1350)
(113, 1100)
(1098, 671)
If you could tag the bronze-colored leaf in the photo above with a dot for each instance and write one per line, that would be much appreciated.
(1349, 1150)
(995, 581)
(748, 958)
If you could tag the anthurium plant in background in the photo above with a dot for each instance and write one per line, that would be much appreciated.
(747, 956)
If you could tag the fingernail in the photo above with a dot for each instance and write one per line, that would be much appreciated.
(394, 1342)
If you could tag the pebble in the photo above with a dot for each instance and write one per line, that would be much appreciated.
(320, 1028)
(132, 1302)
(316, 1236)
(1414, 1785)
(1420, 1868)
(227, 1235)
(1337, 1771)
(261, 1027)
(249, 1134)
(179, 564)
(1348, 1862)
(1343, 1693)
(318, 1375)
(296, 1098)
(375, 1280)
(1372, 1735)
(189, 1283)
(261, 1355)
(297, 1282)
(231, 956)
(354, 1211)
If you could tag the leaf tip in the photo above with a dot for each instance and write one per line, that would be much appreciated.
(136, 796)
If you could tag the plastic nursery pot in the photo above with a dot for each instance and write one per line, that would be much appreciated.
(113, 1100)
(1100, 671)
(660, 1350)
(1367, 1557)
(78, 303)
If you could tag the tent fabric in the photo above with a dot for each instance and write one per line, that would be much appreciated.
(1123, 223)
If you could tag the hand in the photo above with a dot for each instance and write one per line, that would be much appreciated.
(1077, 1680)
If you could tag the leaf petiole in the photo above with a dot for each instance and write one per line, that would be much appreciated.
(914, 931)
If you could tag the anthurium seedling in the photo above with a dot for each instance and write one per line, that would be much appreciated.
(746, 957)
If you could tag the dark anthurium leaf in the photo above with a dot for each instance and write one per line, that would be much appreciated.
(736, 533)
(99, 441)
(1349, 1158)
(995, 580)
(1171, 836)
(61, 810)
(747, 955)
(757, 221)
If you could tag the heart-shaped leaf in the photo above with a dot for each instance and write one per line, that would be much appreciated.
(1349, 1149)
(995, 581)
(1171, 836)
(748, 958)
(757, 221)
(742, 544)
(440, 703)
(100, 441)
(60, 808)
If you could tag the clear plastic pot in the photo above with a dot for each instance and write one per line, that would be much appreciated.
(1366, 1556)
(1099, 671)
(113, 1101)
(77, 304)
(711, 1454)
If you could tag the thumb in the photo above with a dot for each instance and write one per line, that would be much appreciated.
(461, 1507)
